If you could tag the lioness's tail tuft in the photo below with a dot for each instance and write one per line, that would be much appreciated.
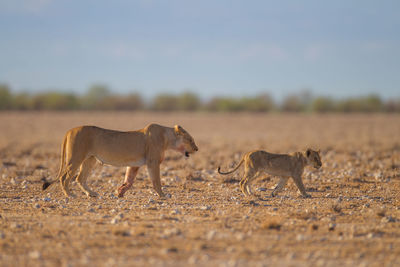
(45, 185)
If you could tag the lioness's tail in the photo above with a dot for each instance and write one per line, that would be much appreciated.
(237, 167)
(62, 164)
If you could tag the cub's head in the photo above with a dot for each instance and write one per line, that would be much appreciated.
(184, 142)
(313, 158)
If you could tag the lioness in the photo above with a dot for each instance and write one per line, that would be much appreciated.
(284, 165)
(83, 145)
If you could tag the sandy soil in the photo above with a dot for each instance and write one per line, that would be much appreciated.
(352, 219)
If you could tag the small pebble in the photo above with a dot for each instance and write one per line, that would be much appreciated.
(211, 234)
(34, 255)
(175, 212)
(240, 236)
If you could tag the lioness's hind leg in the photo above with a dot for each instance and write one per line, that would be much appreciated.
(84, 172)
(130, 175)
(282, 182)
(66, 178)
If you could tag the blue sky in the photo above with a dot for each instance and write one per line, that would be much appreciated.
(335, 48)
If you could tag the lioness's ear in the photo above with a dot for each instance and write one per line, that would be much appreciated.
(308, 152)
(178, 129)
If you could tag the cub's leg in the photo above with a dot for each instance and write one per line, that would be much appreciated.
(130, 175)
(249, 173)
(249, 181)
(153, 169)
(84, 172)
(299, 182)
(281, 184)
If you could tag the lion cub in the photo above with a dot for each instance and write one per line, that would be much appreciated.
(284, 165)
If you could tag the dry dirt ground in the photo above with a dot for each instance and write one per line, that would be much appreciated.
(352, 219)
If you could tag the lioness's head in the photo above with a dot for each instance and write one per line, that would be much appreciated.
(313, 158)
(184, 142)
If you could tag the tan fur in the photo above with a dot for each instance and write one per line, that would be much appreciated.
(83, 146)
(284, 165)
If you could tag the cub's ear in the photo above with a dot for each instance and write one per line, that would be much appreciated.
(308, 152)
(178, 129)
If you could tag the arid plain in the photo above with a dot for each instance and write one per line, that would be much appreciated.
(352, 219)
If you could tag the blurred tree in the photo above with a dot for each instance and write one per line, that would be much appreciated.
(224, 104)
(5, 97)
(372, 103)
(392, 105)
(122, 102)
(292, 104)
(188, 102)
(261, 103)
(299, 102)
(96, 97)
(55, 101)
(165, 102)
(323, 104)
(23, 101)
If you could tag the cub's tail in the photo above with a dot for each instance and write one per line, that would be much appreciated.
(237, 167)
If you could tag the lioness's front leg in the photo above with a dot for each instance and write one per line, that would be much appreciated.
(130, 175)
(154, 171)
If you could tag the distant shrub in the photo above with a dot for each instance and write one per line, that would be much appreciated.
(120, 102)
(5, 97)
(292, 104)
(224, 104)
(261, 103)
(54, 101)
(165, 102)
(297, 102)
(392, 105)
(100, 97)
(323, 104)
(96, 97)
(370, 103)
(188, 102)
(22, 101)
